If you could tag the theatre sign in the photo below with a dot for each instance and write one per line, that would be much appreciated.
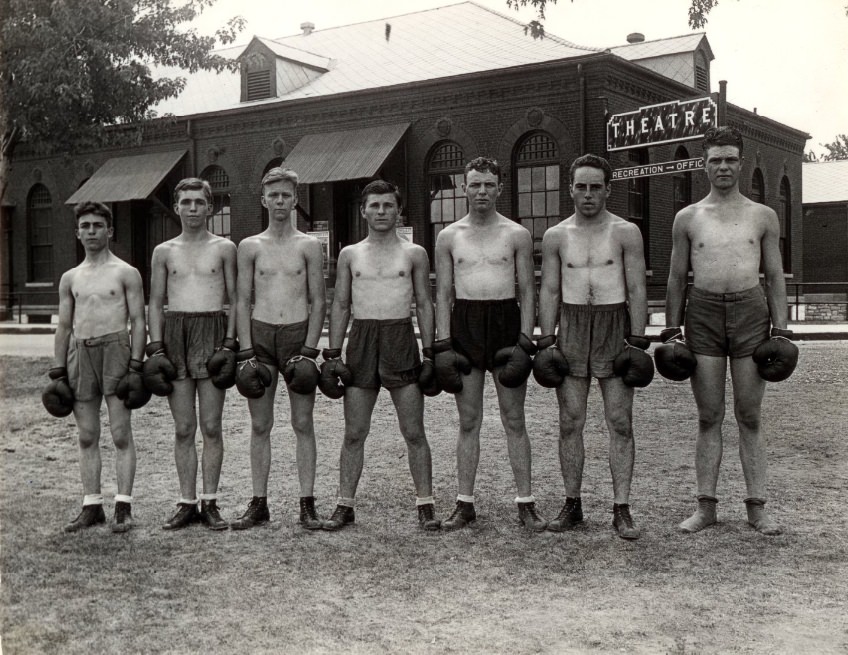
(678, 120)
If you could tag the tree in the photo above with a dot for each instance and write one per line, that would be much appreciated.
(69, 69)
(837, 151)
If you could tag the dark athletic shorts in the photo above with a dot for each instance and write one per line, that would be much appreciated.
(592, 336)
(726, 324)
(190, 340)
(96, 365)
(480, 328)
(276, 344)
(382, 352)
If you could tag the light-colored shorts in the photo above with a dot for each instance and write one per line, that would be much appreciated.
(96, 365)
(726, 324)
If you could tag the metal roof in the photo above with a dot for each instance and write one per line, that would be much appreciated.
(825, 181)
(346, 155)
(661, 47)
(127, 178)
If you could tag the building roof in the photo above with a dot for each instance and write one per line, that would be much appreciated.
(661, 47)
(825, 181)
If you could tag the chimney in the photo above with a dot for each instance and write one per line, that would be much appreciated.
(634, 37)
(307, 28)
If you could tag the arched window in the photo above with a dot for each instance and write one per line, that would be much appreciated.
(681, 184)
(444, 172)
(758, 191)
(784, 215)
(219, 222)
(637, 197)
(537, 186)
(39, 234)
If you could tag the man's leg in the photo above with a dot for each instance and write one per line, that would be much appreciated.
(618, 412)
(571, 396)
(748, 392)
(125, 461)
(211, 411)
(302, 407)
(708, 382)
(182, 404)
(87, 416)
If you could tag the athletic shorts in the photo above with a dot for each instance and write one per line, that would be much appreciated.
(592, 336)
(275, 344)
(382, 353)
(726, 324)
(96, 365)
(480, 328)
(190, 340)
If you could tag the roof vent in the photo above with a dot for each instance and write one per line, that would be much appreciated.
(633, 37)
(307, 28)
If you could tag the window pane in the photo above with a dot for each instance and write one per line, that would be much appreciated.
(552, 177)
(538, 178)
(460, 208)
(538, 203)
(523, 180)
(436, 211)
(552, 203)
(524, 205)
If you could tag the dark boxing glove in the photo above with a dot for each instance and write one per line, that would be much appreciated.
(427, 380)
(335, 375)
(131, 388)
(776, 358)
(673, 358)
(158, 370)
(549, 365)
(450, 366)
(514, 364)
(58, 397)
(252, 376)
(634, 365)
(222, 364)
(301, 372)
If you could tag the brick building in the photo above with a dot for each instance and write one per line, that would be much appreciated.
(409, 98)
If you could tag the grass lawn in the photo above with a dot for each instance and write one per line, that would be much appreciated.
(383, 586)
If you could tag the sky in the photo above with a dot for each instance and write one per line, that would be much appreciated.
(788, 59)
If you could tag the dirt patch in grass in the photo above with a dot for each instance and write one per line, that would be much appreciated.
(382, 586)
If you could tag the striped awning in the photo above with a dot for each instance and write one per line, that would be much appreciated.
(127, 178)
(348, 155)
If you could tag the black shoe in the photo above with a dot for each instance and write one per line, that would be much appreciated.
(256, 514)
(90, 515)
(570, 516)
(211, 516)
(623, 522)
(342, 516)
(123, 520)
(529, 517)
(463, 514)
(186, 515)
(309, 519)
(427, 517)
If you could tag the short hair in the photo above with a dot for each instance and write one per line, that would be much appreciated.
(378, 188)
(482, 165)
(722, 136)
(280, 174)
(194, 184)
(96, 208)
(590, 161)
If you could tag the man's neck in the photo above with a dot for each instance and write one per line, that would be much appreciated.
(200, 234)
(382, 238)
(98, 257)
(487, 218)
(281, 229)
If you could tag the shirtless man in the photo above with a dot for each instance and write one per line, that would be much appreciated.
(379, 276)
(283, 268)
(593, 281)
(197, 273)
(723, 240)
(482, 255)
(93, 355)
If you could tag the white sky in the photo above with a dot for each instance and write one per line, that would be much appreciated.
(786, 58)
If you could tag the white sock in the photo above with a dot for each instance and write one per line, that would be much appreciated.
(208, 496)
(425, 501)
(526, 499)
(92, 499)
(465, 499)
(346, 502)
(120, 498)
(186, 501)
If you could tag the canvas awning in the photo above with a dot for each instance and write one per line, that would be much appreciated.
(127, 178)
(347, 155)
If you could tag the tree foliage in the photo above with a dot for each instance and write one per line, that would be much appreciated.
(837, 150)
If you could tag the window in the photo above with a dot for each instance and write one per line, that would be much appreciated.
(702, 73)
(681, 184)
(784, 215)
(758, 193)
(637, 197)
(258, 85)
(537, 179)
(39, 238)
(445, 174)
(219, 222)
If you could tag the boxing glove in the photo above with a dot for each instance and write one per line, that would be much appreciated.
(158, 370)
(450, 366)
(131, 388)
(673, 358)
(776, 358)
(252, 376)
(335, 375)
(549, 365)
(301, 372)
(222, 364)
(514, 364)
(634, 365)
(427, 380)
(58, 397)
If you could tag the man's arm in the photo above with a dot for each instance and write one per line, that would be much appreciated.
(62, 338)
(229, 259)
(340, 311)
(550, 290)
(315, 292)
(158, 285)
(423, 301)
(634, 276)
(135, 307)
(678, 272)
(526, 281)
(773, 271)
(245, 260)
(444, 284)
